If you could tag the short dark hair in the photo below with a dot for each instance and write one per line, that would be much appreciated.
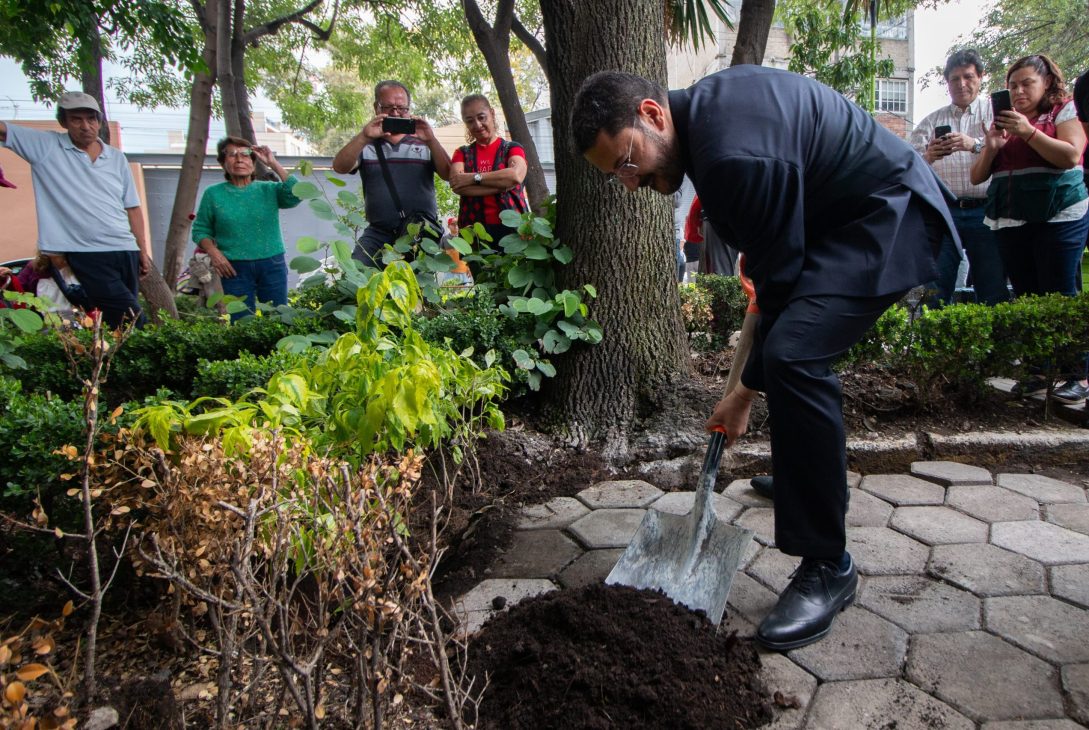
(386, 84)
(1043, 66)
(963, 57)
(221, 149)
(62, 115)
(607, 102)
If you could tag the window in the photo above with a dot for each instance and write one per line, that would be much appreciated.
(892, 95)
(895, 29)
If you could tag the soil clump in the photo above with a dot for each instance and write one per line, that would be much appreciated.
(612, 656)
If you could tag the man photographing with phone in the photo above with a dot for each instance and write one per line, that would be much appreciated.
(950, 139)
(397, 156)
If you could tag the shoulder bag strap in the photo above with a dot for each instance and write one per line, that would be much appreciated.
(389, 180)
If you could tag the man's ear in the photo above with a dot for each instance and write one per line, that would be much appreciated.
(653, 114)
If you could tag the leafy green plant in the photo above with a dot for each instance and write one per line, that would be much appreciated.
(728, 303)
(17, 319)
(235, 377)
(696, 313)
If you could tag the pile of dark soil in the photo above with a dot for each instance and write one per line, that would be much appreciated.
(614, 657)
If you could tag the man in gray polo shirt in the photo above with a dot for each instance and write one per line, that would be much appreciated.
(88, 207)
(413, 160)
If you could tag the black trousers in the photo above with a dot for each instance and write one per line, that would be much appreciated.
(112, 282)
(797, 347)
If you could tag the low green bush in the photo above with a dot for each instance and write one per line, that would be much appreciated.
(234, 378)
(728, 303)
(697, 314)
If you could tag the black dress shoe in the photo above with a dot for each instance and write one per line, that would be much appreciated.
(805, 611)
(763, 486)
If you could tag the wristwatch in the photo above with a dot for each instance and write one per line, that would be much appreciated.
(477, 177)
(977, 147)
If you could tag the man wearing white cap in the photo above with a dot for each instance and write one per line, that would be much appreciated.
(88, 207)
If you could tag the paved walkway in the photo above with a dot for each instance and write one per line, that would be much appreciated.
(973, 605)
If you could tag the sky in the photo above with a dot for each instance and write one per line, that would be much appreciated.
(145, 130)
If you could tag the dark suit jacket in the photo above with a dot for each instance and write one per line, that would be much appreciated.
(808, 186)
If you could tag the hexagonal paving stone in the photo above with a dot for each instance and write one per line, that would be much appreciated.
(761, 521)
(881, 551)
(680, 503)
(1043, 541)
(779, 674)
(751, 599)
(554, 514)
(866, 510)
(1043, 625)
(536, 554)
(1043, 489)
(592, 567)
(1071, 516)
(984, 677)
(478, 605)
(740, 491)
(1075, 679)
(626, 493)
(920, 605)
(987, 570)
(938, 525)
(1062, 724)
(1071, 582)
(948, 473)
(607, 528)
(773, 568)
(992, 504)
(861, 645)
(873, 703)
(903, 490)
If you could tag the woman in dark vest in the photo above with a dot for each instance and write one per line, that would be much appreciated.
(488, 172)
(1037, 201)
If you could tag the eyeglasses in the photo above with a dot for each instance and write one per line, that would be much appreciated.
(240, 153)
(391, 109)
(627, 169)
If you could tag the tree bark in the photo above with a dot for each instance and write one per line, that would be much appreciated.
(494, 44)
(623, 242)
(752, 32)
(91, 76)
(196, 145)
(225, 67)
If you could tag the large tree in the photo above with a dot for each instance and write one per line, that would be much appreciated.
(623, 242)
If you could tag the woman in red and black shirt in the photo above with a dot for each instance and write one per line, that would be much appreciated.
(487, 173)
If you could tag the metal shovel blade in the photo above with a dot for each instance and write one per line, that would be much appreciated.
(691, 558)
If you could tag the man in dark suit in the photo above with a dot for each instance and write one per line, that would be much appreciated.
(837, 219)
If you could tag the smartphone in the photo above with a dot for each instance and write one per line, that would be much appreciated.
(399, 125)
(941, 130)
(1000, 101)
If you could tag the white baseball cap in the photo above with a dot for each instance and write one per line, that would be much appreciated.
(78, 100)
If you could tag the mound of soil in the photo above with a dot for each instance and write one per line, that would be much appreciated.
(610, 657)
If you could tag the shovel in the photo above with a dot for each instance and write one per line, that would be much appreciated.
(691, 558)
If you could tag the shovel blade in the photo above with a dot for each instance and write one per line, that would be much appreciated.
(692, 562)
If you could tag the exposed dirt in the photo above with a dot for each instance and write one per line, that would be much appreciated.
(614, 657)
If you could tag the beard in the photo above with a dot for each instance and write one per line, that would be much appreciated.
(669, 176)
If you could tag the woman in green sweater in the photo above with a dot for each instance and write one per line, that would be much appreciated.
(238, 224)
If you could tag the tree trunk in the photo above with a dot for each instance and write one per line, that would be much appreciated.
(196, 145)
(91, 53)
(494, 45)
(225, 67)
(752, 32)
(623, 242)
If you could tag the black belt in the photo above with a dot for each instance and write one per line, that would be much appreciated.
(971, 202)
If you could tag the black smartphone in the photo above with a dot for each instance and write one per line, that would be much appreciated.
(1000, 101)
(941, 130)
(399, 125)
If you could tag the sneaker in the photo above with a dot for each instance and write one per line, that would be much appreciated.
(1071, 393)
(1033, 385)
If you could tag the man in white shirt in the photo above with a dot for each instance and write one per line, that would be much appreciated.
(87, 204)
(952, 154)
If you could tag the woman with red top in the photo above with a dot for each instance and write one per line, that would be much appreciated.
(1037, 201)
(488, 172)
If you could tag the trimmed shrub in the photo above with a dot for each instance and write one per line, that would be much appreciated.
(728, 303)
(234, 378)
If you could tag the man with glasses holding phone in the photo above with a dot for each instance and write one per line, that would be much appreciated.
(837, 218)
(950, 139)
(397, 156)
